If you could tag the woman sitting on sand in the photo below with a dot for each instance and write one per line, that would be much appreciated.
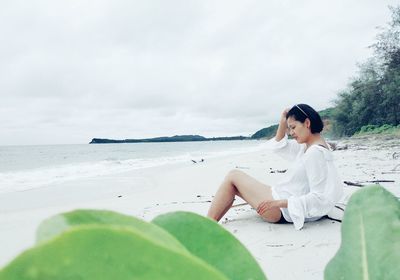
(311, 187)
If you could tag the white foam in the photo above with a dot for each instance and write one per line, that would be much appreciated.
(35, 178)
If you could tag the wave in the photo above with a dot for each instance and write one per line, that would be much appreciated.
(47, 176)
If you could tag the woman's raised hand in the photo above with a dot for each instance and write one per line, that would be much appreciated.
(280, 133)
(283, 115)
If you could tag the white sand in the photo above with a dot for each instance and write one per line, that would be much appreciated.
(282, 252)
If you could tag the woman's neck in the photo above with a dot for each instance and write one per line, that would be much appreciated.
(315, 139)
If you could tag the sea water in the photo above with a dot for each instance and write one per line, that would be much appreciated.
(28, 167)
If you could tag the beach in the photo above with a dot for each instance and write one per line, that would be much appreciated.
(282, 251)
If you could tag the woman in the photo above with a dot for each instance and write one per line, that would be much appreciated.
(311, 186)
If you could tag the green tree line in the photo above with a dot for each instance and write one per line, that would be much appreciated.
(373, 96)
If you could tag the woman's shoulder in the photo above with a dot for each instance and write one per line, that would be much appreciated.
(318, 151)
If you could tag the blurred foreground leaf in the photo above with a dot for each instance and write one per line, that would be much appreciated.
(370, 247)
(59, 223)
(209, 241)
(105, 252)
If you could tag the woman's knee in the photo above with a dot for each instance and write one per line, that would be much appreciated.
(233, 175)
(272, 216)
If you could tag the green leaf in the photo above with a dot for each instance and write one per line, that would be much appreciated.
(209, 241)
(370, 247)
(105, 252)
(55, 225)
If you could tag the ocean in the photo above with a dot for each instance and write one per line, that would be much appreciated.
(27, 167)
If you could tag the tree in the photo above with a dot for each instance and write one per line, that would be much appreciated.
(373, 96)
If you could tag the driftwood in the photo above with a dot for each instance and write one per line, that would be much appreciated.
(185, 202)
(277, 171)
(333, 219)
(338, 207)
(242, 167)
(360, 183)
(380, 181)
(278, 245)
(340, 148)
(194, 161)
(332, 145)
(353, 184)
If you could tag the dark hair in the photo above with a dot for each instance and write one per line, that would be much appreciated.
(301, 112)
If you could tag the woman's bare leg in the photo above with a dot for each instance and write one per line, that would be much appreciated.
(248, 188)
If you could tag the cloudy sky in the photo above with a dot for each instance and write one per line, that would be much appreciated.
(73, 70)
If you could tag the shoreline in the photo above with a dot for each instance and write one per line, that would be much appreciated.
(27, 169)
(149, 192)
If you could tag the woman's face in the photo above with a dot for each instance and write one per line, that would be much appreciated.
(298, 130)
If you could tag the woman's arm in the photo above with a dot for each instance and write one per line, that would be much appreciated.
(288, 149)
(281, 132)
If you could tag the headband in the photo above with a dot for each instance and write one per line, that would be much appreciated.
(298, 107)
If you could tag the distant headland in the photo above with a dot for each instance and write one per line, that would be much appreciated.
(176, 138)
(263, 133)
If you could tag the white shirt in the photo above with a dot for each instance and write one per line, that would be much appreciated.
(311, 186)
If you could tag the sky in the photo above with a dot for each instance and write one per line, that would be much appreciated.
(74, 70)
